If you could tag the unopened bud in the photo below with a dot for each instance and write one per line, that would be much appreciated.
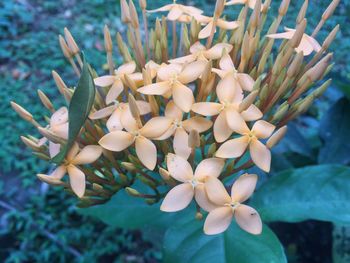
(28, 142)
(151, 201)
(22, 112)
(199, 216)
(219, 7)
(283, 7)
(133, 15)
(317, 71)
(330, 9)
(132, 192)
(331, 36)
(125, 11)
(248, 101)
(49, 179)
(64, 47)
(143, 4)
(129, 82)
(194, 139)
(59, 82)
(133, 107)
(298, 34)
(97, 187)
(212, 149)
(276, 137)
(266, 6)
(280, 112)
(320, 90)
(295, 65)
(302, 12)
(71, 42)
(45, 101)
(255, 16)
(128, 166)
(164, 174)
(305, 104)
(108, 39)
(50, 135)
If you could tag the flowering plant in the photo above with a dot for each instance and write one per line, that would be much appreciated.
(197, 103)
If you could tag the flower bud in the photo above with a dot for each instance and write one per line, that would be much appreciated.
(132, 192)
(320, 90)
(199, 216)
(276, 137)
(302, 12)
(133, 107)
(133, 15)
(49, 179)
(22, 112)
(317, 71)
(45, 101)
(64, 47)
(28, 142)
(219, 7)
(97, 187)
(266, 6)
(212, 149)
(143, 4)
(283, 7)
(128, 166)
(331, 36)
(71, 42)
(194, 139)
(330, 9)
(164, 174)
(108, 39)
(295, 65)
(255, 16)
(248, 101)
(299, 33)
(125, 11)
(59, 82)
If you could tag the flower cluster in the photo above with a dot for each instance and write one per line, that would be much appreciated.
(215, 104)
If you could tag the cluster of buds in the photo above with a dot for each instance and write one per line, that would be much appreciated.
(215, 104)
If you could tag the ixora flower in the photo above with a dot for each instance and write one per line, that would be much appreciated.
(192, 185)
(173, 79)
(146, 151)
(199, 52)
(117, 112)
(219, 219)
(116, 81)
(307, 44)
(180, 129)
(234, 148)
(209, 22)
(177, 10)
(250, 3)
(75, 157)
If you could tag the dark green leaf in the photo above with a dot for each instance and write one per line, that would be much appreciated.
(335, 131)
(315, 192)
(186, 242)
(79, 109)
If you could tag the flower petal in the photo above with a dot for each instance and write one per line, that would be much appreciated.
(207, 108)
(197, 123)
(183, 96)
(236, 122)
(127, 68)
(221, 129)
(197, 47)
(205, 32)
(174, 13)
(114, 122)
(243, 187)
(227, 25)
(159, 88)
(54, 149)
(178, 198)
(192, 71)
(59, 117)
(246, 82)
(260, 155)
(226, 89)
(146, 151)
(102, 113)
(285, 35)
(173, 111)
(233, 148)
(209, 167)
(104, 81)
(72, 152)
(179, 168)
(305, 46)
(248, 219)
(226, 62)
(215, 52)
(76, 180)
(116, 141)
(143, 106)
(252, 113)
(114, 91)
(183, 60)
(180, 143)
(202, 199)
(156, 127)
(162, 9)
(216, 191)
(88, 154)
(218, 220)
(262, 129)
(165, 72)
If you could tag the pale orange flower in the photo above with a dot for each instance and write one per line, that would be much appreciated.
(200, 52)
(146, 151)
(176, 10)
(117, 112)
(180, 129)
(172, 78)
(75, 157)
(209, 22)
(219, 219)
(307, 44)
(234, 148)
(251, 3)
(192, 185)
(116, 81)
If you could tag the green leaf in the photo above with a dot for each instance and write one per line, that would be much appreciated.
(79, 109)
(130, 212)
(186, 242)
(334, 131)
(318, 192)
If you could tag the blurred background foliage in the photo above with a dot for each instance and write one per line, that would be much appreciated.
(41, 224)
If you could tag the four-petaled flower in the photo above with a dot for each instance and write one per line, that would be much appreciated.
(146, 151)
(192, 185)
(87, 155)
(172, 79)
(209, 22)
(117, 80)
(176, 10)
(199, 52)
(307, 43)
(180, 129)
(234, 148)
(219, 219)
(117, 111)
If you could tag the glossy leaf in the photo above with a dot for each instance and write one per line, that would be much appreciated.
(335, 131)
(186, 242)
(79, 109)
(318, 192)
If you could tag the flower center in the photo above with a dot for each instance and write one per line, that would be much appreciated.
(194, 182)
(177, 123)
(233, 205)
